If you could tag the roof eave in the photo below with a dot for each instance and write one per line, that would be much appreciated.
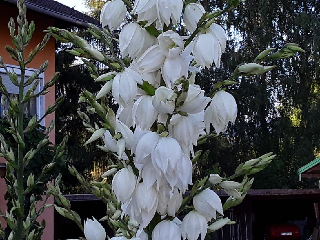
(53, 14)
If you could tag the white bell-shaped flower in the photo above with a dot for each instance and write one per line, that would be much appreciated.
(173, 69)
(153, 78)
(192, 14)
(168, 10)
(185, 130)
(145, 142)
(208, 203)
(112, 14)
(164, 100)
(109, 142)
(196, 101)
(152, 176)
(184, 173)
(119, 238)
(123, 184)
(193, 225)
(170, 157)
(124, 87)
(93, 230)
(216, 39)
(146, 10)
(163, 199)
(221, 111)
(175, 202)
(144, 113)
(159, 11)
(142, 235)
(134, 40)
(171, 44)
(147, 202)
(126, 133)
(130, 208)
(218, 32)
(206, 50)
(137, 135)
(170, 200)
(124, 114)
(151, 60)
(116, 146)
(166, 230)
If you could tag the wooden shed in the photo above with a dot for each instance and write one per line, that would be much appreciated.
(310, 170)
(259, 209)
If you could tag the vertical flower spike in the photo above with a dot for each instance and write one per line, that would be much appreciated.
(221, 111)
(112, 14)
(192, 14)
(166, 230)
(193, 225)
(93, 230)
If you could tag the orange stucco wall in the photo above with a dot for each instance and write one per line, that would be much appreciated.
(41, 22)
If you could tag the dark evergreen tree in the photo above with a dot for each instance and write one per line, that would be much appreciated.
(88, 160)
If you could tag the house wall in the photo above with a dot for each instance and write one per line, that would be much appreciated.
(41, 22)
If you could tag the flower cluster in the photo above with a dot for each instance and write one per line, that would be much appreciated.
(163, 112)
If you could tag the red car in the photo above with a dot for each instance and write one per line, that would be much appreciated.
(283, 232)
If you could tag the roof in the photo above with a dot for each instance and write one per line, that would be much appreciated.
(252, 193)
(59, 11)
(310, 170)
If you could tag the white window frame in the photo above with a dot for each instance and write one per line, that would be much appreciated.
(40, 100)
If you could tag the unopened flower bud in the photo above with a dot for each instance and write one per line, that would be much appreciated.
(30, 181)
(215, 179)
(229, 185)
(254, 68)
(219, 224)
(109, 172)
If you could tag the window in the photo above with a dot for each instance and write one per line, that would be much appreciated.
(36, 105)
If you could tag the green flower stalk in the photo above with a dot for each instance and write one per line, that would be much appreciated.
(20, 150)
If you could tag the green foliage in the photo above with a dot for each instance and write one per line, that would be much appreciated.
(35, 167)
(279, 111)
(25, 145)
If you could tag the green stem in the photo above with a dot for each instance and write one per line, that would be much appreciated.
(20, 163)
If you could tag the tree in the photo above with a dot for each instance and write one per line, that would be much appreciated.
(279, 111)
(73, 79)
